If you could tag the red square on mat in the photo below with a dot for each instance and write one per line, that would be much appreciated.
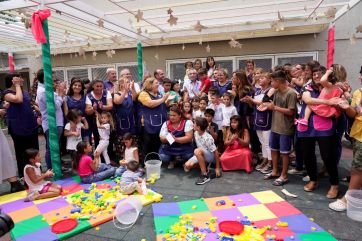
(279, 232)
(72, 188)
(281, 209)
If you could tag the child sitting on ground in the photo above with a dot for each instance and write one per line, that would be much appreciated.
(237, 155)
(130, 153)
(90, 170)
(38, 187)
(329, 80)
(131, 181)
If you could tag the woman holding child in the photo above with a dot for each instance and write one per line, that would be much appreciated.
(321, 130)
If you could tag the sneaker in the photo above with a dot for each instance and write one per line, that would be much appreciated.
(267, 169)
(338, 205)
(171, 165)
(202, 180)
(295, 171)
(261, 166)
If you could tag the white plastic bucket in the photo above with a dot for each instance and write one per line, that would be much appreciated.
(127, 212)
(354, 204)
(153, 166)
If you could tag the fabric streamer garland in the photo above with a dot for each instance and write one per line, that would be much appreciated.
(11, 62)
(330, 55)
(41, 34)
(139, 61)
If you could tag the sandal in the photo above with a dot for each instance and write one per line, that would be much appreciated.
(332, 193)
(310, 186)
(280, 182)
(338, 205)
(270, 176)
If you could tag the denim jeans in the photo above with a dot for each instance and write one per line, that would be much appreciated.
(167, 158)
(47, 151)
(120, 170)
(104, 171)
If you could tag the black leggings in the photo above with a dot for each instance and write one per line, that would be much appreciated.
(21, 143)
(150, 143)
(327, 146)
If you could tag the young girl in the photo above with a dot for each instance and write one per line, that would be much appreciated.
(187, 110)
(73, 128)
(130, 153)
(329, 80)
(237, 154)
(105, 126)
(210, 66)
(201, 111)
(38, 187)
(262, 120)
(90, 170)
(228, 111)
(195, 106)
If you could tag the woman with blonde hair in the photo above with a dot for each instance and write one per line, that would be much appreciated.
(152, 112)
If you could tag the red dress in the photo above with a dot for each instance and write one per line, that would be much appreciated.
(236, 157)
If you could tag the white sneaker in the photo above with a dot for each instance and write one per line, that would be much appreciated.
(294, 171)
(338, 205)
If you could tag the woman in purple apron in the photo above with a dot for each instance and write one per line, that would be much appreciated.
(124, 97)
(182, 132)
(98, 100)
(321, 130)
(75, 99)
(152, 112)
(21, 117)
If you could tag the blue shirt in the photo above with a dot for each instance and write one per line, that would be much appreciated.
(108, 85)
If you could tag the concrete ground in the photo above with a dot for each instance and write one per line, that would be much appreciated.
(177, 183)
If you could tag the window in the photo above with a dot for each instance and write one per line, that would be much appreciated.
(77, 73)
(59, 74)
(177, 71)
(265, 63)
(297, 58)
(99, 73)
(225, 64)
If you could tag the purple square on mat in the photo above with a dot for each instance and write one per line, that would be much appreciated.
(44, 234)
(66, 182)
(300, 224)
(166, 209)
(52, 205)
(230, 214)
(15, 206)
(244, 199)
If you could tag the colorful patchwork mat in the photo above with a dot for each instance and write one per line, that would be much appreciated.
(33, 220)
(265, 215)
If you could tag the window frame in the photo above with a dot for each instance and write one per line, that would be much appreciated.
(273, 56)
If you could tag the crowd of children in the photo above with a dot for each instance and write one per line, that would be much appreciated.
(247, 122)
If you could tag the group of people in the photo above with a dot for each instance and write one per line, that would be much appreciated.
(211, 120)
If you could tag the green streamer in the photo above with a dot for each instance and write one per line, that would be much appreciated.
(139, 61)
(49, 94)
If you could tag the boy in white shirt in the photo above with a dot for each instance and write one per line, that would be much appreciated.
(206, 151)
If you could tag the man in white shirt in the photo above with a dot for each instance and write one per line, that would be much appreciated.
(193, 86)
(126, 73)
(159, 75)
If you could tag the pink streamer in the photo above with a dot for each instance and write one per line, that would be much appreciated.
(36, 25)
(330, 55)
(11, 62)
